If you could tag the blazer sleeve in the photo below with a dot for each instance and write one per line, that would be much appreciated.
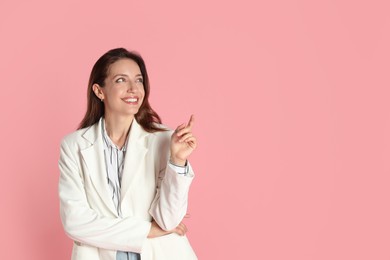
(170, 203)
(85, 225)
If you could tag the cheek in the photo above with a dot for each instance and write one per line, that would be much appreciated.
(114, 91)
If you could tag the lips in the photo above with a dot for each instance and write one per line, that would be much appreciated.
(131, 100)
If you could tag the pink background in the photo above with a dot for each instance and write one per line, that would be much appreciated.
(292, 116)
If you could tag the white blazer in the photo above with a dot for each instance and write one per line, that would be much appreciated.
(150, 189)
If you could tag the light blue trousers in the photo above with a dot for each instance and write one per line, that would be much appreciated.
(127, 256)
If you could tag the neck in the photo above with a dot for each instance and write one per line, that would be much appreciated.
(118, 127)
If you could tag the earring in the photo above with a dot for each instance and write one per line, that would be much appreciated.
(102, 99)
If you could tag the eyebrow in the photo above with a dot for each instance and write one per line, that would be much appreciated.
(124, 75)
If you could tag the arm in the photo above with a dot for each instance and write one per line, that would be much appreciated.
(84, 224)
(170, 204)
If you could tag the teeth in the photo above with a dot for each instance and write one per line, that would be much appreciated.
(131, 100)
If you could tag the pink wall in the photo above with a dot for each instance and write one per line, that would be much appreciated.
(292, 106)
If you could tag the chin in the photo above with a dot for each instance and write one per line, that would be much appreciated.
(131, 113)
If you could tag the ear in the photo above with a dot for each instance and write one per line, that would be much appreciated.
(98, 91)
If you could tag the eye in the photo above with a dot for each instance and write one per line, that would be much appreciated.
(120, 80)
(139, 80)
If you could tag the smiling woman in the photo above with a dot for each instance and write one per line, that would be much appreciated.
(122, 92)
(124, 176)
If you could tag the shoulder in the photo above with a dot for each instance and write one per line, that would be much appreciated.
(78, 137)
(74, 136)
(165, 133)
(159, 142)
(160, 139)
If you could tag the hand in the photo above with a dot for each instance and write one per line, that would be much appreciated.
(156, 231)
(183, 143)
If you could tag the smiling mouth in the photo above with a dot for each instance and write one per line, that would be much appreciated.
(133, 100)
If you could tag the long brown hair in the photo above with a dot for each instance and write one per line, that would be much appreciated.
(146, 116)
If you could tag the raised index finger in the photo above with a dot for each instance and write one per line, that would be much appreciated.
(191, 122)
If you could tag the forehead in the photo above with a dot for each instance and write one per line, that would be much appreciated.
(124, 66)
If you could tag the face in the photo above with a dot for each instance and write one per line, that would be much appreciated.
(123, 91)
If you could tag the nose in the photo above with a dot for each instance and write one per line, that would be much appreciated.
(131, 87)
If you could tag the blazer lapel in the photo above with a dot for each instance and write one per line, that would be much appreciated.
(94, 159)
(135, 154)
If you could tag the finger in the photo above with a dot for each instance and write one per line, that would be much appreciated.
(183, 227)
(180, 127)
(183, 131)
(191, 142)
(184, 137)
(180, 230)
(187, 128)
(191, 122)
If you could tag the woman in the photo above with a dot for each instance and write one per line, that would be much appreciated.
(124, 176)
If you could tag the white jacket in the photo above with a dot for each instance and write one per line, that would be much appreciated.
(149, 189)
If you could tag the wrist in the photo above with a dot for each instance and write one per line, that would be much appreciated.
(178, 162)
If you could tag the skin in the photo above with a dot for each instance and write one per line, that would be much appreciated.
(122, 94)
(124, 80)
